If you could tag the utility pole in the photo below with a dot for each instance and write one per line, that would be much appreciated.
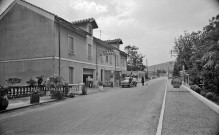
(154, 71)
(100, 34)
(147, 68)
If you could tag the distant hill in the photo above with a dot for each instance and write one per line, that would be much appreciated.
(163, 66)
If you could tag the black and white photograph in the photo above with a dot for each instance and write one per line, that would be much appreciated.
(109, 67)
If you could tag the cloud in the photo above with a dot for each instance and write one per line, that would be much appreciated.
(88, 7)
(151, 25)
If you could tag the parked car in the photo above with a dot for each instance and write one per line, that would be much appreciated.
(125, 82)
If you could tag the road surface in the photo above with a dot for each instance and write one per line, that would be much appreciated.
(116, 111)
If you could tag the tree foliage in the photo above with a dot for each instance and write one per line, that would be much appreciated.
(199, 53)
(135, 59)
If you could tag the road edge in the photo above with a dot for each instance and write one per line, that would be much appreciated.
(160, 123)
(207, 102)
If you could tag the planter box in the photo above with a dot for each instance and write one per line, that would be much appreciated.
(4, 102)
(84, 90)
(176, 85)
(101, 88)
(56, 95)
(34, 98)
(176, 82)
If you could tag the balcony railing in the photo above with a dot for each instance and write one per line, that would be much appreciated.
(25, 91)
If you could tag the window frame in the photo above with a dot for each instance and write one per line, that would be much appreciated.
(107, 58)
(71, 79)
(71, 51)
(110, 59)
(89, 57)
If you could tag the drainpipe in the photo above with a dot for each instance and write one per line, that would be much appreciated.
(96, 64)
(59, 49)
(115, 71)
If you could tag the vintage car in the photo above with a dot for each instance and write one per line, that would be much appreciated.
(125, 82)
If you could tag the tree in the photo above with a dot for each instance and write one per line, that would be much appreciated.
(199, 53)
(135, 59)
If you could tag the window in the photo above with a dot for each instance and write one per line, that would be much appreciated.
(89, 51)
(71, 75)
(101, 58)
(110, 59)
(107, 58)
(71, 44)
(117, 60)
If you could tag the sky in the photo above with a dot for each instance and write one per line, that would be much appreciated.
(151, 25)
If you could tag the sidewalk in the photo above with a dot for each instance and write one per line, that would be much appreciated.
(25, 102)
(18, 103)
(184, 114)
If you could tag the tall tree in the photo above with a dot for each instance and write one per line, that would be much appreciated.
(135, 59)
(199, 53)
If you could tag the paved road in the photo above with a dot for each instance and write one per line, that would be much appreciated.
(116, 111)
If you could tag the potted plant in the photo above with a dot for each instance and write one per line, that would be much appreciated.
(35, 97)
(31, 82)
(40, 84)
(83, 89)
(12, 81)
(3, 98)
(100, 85)
(176, 82)
(35, 94)
(55, 83)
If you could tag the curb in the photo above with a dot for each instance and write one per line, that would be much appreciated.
(5, 111)
(209, 103)
(160, 123)
(29, 105)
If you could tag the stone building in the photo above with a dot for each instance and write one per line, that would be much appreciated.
(35, 42)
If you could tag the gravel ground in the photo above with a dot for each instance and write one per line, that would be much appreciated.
(186, 115)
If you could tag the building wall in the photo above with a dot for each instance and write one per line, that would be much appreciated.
(107, 67)
(79, 59)
(26, 44)
(25, 70)
(29, 47)
(25, 34)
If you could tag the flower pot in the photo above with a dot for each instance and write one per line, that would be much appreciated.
(4, 102)
(84, 90)
(34, 98)
(101, 88)
(176, 85)
(56, 95)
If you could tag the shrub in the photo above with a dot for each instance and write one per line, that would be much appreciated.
(197, 89)
(12, 81)
(31, 82)
(203, 93)
(193, 87)
(39, 80)
(215, 98)
(209, 95)
(3, 90)
(3, 98)
(55, 82)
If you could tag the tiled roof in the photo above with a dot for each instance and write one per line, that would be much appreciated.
(114, 41)
(104, 43)
(88, 20)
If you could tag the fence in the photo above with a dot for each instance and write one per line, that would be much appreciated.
(24, 91)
